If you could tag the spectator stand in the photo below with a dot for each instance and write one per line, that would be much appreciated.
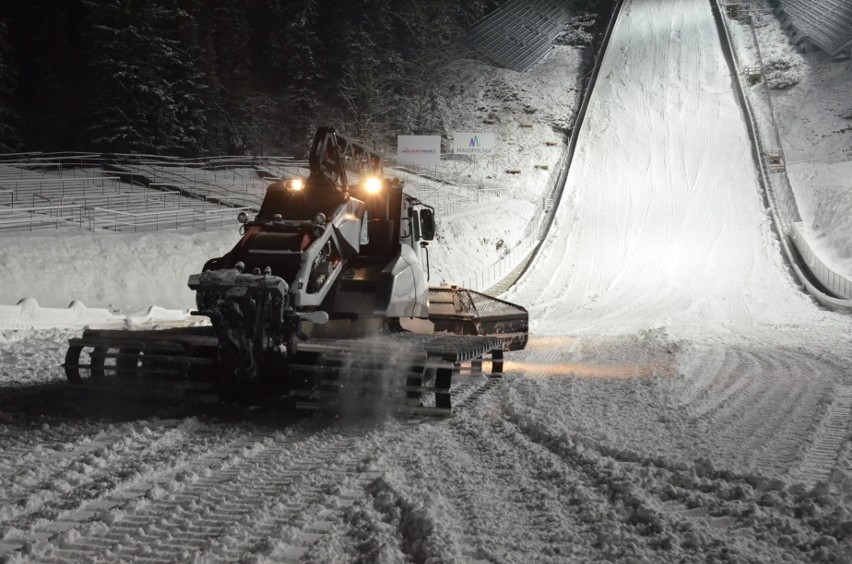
(826, 24)
(93, 192)
(519, 33)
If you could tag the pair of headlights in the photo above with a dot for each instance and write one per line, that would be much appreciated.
(371, 184)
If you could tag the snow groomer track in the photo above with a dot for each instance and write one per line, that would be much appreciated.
(681, 399)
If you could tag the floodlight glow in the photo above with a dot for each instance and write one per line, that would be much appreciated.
(295, 184)
(373, 185)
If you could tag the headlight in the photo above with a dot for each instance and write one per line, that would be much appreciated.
(373, 185)
(295, 184)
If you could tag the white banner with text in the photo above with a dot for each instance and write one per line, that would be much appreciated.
(421, 150)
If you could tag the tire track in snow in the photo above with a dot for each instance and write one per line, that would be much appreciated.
(545, 509)
(27, 448)
(123, 477)
(712, 513)
(70, 473)
(764, 420)
(487, 480)
(261, 488)
(728, 382)
(833, 431)
(172, 452)
(703, 366)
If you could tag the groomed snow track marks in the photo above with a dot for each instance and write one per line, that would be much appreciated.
(759, 416)
(582, 500)
(230, 502)
(833, 431)
(77, 481)
(656, 504)
(753, 406)
(160, 490)
(56, 479)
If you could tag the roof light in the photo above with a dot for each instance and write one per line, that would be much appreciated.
(295, 184)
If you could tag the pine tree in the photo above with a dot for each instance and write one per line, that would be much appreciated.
(45, 36)
(10, 139)
(148, 88)
(233, 81)
(301, 49)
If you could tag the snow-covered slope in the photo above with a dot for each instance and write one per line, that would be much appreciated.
(663, 223)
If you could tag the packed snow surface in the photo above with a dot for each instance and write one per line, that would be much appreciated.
(680, 400)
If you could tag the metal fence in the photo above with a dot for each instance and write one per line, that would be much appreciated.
(534, 233)
(131, 192)
(447, 196)
(108, 219)
(837, 283)
(495, 273)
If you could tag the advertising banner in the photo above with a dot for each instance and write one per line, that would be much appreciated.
(466, 143)
(421, 150)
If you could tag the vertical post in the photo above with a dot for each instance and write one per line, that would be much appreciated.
(496, 363)
(443, 381)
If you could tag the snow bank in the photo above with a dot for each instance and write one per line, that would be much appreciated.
(120, 272)
(824, 195)
(28, 314)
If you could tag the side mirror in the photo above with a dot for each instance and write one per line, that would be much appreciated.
(242, 217)
(427, 224)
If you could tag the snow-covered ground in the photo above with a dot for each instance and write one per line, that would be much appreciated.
(681, 399)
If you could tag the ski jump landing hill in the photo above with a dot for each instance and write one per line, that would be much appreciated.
(666, 152)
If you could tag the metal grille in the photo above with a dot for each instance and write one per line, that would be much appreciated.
(825, 23)
(519, 33)
(470, 301)
(487, 305)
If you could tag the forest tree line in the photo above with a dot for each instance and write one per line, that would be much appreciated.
(195, 77)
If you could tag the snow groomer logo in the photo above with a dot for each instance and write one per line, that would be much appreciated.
(466, 143)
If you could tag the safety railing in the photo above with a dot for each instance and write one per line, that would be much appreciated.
(758, 100)
(837, 283)
(157, 220)
(46, 188)
(762, 125)
(43, 217)
(98, 218)
(545, 212)
(500, 269)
